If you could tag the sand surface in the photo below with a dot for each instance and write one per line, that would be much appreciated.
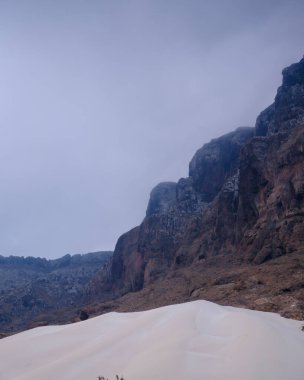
(192, 341)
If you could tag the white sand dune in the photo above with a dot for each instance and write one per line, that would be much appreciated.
(192, 341)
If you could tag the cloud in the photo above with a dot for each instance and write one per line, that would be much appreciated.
(102, 100)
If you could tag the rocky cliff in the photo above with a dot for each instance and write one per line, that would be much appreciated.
(242, 202)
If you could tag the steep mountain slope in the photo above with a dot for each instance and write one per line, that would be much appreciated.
(32, 286)
(243, 202)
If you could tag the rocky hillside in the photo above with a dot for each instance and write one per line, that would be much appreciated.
(32, 286)
(242, 204)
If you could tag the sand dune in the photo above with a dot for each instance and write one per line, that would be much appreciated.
(192, 341)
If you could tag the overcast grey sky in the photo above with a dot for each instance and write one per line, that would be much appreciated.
(101, 100)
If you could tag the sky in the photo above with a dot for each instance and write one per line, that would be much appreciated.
(102, 100)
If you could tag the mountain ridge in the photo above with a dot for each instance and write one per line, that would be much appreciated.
(31, 286)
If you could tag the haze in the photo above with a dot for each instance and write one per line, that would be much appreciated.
(101, 100)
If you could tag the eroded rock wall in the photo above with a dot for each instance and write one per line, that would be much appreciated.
(243, 200)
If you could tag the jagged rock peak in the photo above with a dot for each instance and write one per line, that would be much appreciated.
(287, 111)
(162, 198)
(216, 161)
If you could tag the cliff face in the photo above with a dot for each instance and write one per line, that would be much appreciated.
(243, 200)
(287, 111)
(170, 234)
(271, 210)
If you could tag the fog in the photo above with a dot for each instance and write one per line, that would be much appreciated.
(102, 100)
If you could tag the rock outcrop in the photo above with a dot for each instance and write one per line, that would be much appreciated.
(243, 201)
(287, 111)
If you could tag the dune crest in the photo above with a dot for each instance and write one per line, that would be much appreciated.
(193, 341)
